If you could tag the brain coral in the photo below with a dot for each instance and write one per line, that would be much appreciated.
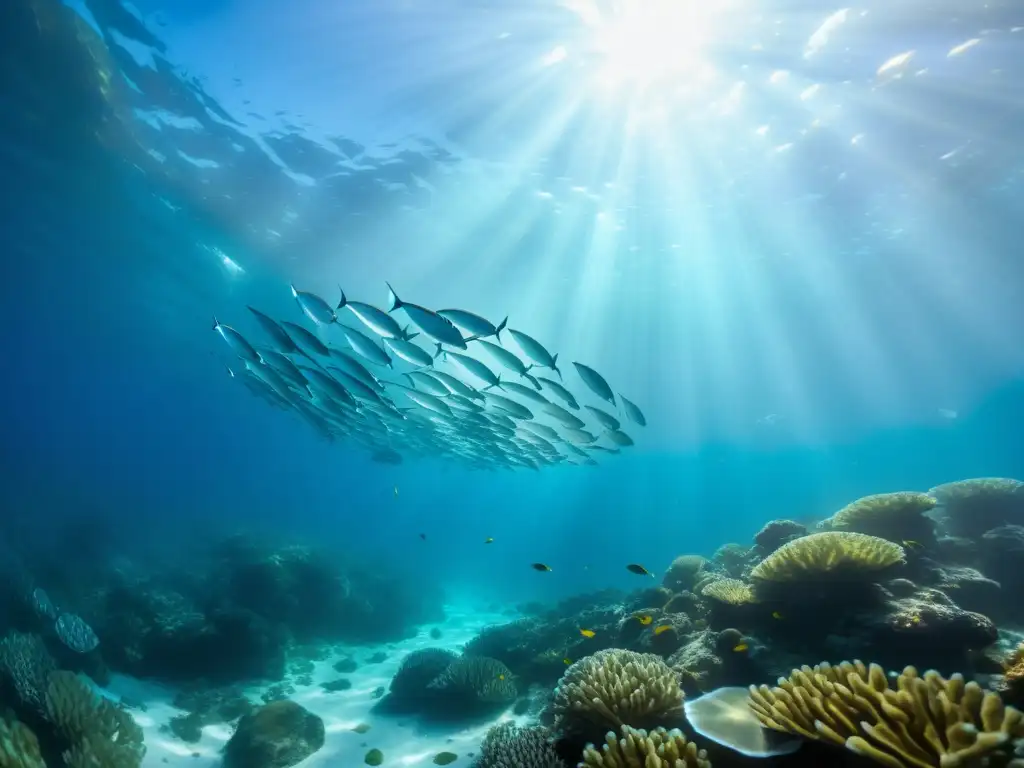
(924, 722)
(640, 749)
(834, 554)
(613, 688)
(894, 516)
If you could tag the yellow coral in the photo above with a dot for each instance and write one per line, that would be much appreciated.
(640, 749)
(729, 591)
(924, 722)
(614, 687)
(828, 554)
(890, 515)
(19, 747)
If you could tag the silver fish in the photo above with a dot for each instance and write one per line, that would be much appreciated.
(633, 412)
(377, 320)
(502, 421)
(427, 383)
(365, 346)
(536, 351)
(259, 388)
(304, 340)
(596, 382)
(357, 388)
(278, 337)
(561, 392)
(329, 385)
(479, 327)
(315, 308)
(579, 436)
(428, 401)
(529, 394)
(353, 367)
(506, 358)
(237, 342)
(542, 429)
(619, 437)
(475, 367)
(508, 405)
(284, 366)
(272, 378)
(455, 386)
(608, 421)
(411, 353)
(436, 327)
(563, 416)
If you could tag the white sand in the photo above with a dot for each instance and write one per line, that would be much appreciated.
(402, 738)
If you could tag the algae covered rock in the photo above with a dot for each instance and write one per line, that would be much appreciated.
(278, 735)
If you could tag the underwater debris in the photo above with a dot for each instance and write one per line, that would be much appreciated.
(655, 749)
(924, 721)
(615, 687)
(725, 717)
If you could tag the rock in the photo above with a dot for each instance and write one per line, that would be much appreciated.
(345, 665)
(278, 735)
(973, 591)
(775, 534)
(341, 684)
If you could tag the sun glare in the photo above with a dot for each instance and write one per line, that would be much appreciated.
(654, 42)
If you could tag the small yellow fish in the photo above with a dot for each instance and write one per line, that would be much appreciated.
(489, 540)
(662, 628)
(587, 632)
(776, 615)
(639, 570)
(645, 619)
(915, 619)
(501, 676)
(740, 648)
(567, 661)
(541, 567)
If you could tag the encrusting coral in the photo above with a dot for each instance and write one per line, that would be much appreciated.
(894, 516)
(613, 688)
(19, 747)
(924, 722)
(641, 749)
(100, 733)
(833, 554)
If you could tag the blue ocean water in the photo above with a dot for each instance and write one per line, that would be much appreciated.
(797, 252)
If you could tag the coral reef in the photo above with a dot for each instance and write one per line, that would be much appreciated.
(19, 747)
(613, 688)
(924, 721)
(896, 516)
(833, 555)
(418, 670)
(641, 749)
(683, 572)
(475, 680)
(972, 507)
(277, 735)
(510, 746)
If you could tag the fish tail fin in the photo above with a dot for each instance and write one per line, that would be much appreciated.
(471, 338)
(343, 301)
(500, 328)
(393, 297)
(216, 323)
(230, 372)
(409, 336)
(554, 367)
(440, 352)
(410, 380)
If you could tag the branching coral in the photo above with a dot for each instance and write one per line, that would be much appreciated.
(477, 678)
(19, 747)
(509, 746)
(100, 733)
(894, 516)
(640, 749)
(613, 688)
(975, 506)
(729, 591)
(835, 554)
(924, 722)
(683, 572)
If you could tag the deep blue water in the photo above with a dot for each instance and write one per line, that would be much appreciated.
(855, 293)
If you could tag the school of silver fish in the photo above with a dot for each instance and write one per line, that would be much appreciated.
(422, 389)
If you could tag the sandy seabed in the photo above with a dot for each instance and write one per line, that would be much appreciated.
(403, 739)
